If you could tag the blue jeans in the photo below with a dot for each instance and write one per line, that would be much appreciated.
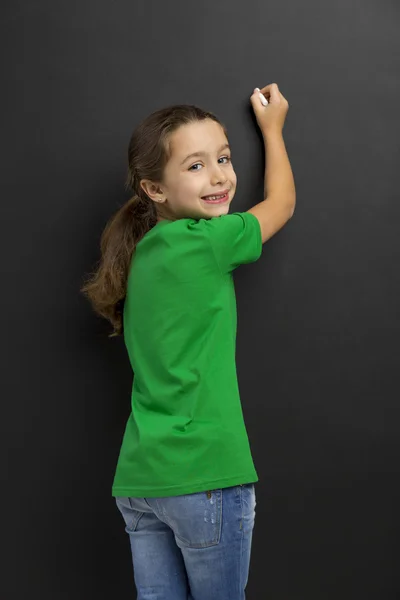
(191, 547)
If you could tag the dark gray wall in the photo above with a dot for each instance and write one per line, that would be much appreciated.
(319, 317)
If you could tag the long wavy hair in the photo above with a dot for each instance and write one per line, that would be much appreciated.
(148, 153)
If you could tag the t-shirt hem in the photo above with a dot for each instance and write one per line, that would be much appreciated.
(176, 490)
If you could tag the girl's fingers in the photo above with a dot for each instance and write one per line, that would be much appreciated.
(267, 89)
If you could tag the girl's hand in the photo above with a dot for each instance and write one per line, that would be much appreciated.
(271, 117)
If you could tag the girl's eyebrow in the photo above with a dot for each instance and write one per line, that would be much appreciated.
(204, 153)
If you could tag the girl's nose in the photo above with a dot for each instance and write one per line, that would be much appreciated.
(219, 177)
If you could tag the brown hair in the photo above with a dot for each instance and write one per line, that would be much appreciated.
(148, 153)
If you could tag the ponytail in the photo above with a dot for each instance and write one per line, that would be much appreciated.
(106, 287)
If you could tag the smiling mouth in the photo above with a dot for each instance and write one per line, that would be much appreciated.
(217, 199)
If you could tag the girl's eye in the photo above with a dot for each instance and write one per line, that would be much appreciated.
(227, 157)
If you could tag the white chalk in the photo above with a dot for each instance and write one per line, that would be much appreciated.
(263, 99)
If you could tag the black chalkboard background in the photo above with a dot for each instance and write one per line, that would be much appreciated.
(318, 315)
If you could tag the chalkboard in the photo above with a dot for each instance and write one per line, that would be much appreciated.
(318, 314)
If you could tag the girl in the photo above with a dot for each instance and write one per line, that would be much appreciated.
(184, 481)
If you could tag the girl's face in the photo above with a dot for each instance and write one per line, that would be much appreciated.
(187, 179)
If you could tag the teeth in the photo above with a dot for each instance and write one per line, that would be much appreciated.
(214, 197)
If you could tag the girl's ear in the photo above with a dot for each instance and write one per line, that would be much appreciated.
(150, 188)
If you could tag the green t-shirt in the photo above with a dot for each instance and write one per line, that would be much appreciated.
(186, 431)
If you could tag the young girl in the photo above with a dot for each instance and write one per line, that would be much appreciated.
(184, 481)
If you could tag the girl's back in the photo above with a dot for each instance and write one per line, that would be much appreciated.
(188, 432)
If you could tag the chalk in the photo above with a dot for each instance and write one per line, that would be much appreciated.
(263, 99)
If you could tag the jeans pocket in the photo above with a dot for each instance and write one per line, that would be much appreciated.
(195, 519)
(130, 515)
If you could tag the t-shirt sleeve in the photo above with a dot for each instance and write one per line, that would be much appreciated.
(235, 239)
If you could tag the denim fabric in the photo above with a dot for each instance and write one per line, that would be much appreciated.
(191, 547)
